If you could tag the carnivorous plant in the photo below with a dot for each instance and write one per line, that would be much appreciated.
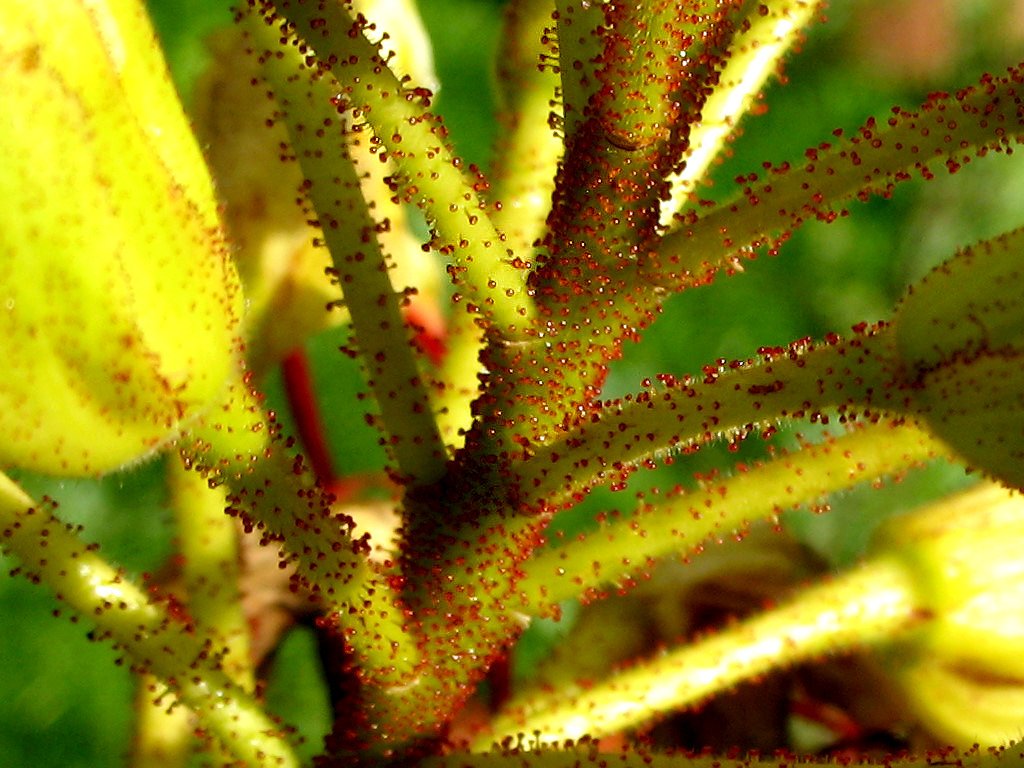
(540, 559)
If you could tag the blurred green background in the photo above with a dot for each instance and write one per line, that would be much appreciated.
(62, 700)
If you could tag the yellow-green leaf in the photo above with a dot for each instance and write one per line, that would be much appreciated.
(119, 303)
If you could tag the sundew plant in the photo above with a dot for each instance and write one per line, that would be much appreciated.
(352, 420)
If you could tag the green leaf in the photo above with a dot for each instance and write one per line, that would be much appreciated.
(121, 304)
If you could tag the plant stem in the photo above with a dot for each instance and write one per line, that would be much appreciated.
(947, 130)
(158, 643)
(429, 175)
(164, 734)
(588, 753)
(458, 379)
(731, 401)
(684, 521)
(302, 404)
(237, 445)
(873, 603)
(626, 91)
(525, 163)
(384, 343)
(760, 43)
(208, 544)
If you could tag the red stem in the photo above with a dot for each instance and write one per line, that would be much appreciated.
(298, 387)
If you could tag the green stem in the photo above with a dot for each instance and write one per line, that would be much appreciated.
(164, 729)
(762, 40)
(208, 543)
(871, 604)
(948, 130)
(730, 402)
(627, 92)
(634, 78)
(588, 753)
(526, 160)
(684, 521)
(579, 51)
(458, 379)
(237, 445)
(429, 175)
(785, 383)
(349, 231)
(184, 659)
